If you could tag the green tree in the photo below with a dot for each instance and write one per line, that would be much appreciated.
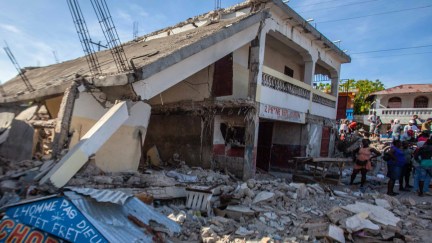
(363, 88)
(324, 87)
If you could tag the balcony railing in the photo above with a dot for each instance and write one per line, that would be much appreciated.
(403, 114)
(278, 81)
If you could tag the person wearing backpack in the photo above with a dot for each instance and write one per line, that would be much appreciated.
(362, 161)
(395, 164)
(424, 170)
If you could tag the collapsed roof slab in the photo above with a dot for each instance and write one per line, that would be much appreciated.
(166, 72)
(90, 144)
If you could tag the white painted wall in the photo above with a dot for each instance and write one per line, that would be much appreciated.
(112, 156)
(324, 111)
(278, 98)
(283, 26)
(196, 87)
(275, 60)
(407, 99)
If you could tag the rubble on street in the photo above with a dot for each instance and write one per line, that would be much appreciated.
(226, 209)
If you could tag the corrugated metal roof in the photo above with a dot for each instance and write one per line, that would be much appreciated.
(112, 221)
(109, 219)
(27, 201)
(406, 89)
(117, 197)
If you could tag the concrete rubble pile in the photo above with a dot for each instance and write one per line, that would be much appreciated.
(295, 212)
(265, 208)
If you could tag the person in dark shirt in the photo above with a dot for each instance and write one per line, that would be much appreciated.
(424, 156)
(394, 166)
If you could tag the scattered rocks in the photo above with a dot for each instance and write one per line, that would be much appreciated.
(263, 209)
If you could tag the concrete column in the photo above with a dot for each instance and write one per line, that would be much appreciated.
(334, 85)
(309, 71)
(61, 129)
(252, 119)
(251, 141)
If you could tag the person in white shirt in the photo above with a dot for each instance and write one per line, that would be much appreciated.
(372, 120)
(411, 126)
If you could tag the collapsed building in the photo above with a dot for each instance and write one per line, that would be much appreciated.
(231, 89)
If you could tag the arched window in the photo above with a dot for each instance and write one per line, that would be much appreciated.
(395, 102)
(421, 102)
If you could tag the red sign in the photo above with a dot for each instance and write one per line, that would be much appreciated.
(283, 114)
(12, 231)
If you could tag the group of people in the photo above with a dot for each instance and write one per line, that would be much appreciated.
(410, 153)
(346, 127)
(402, 160)
(411, 131)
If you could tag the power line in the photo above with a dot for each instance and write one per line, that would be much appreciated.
(355, 3)
(369, 15)
(393, 49)
(406, 54)
(317, 3)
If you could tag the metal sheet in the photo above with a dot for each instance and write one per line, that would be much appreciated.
(109, 219)
(146, 213)
(117, 197)
(57, 216)
(112, 219)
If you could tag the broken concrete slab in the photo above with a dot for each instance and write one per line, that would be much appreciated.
(88, 145)
(263, 196)
(243, 231)
(337, 213)
(359, 222)
(302, 191)
(182, 177)
(6, 119)
(27, 114)
(382, 203)
(169, 192)
(336, 233)
(376, 213)
(18, 145)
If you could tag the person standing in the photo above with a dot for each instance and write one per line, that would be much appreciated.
(411, 126)
(424, 170)
(406, 169)
(394, 166)
(426, 126)
(397, 129)
(372, 122)
(343, 129)
(415, 118)
(390, 129)
(378, 126)
(362, 162)
(352, 127)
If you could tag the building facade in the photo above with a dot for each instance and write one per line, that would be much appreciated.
(402, 102)
(231, 90)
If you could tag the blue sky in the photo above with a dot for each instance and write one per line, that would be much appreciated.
(34, 29)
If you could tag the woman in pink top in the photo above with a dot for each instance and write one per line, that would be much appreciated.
(363, 161)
